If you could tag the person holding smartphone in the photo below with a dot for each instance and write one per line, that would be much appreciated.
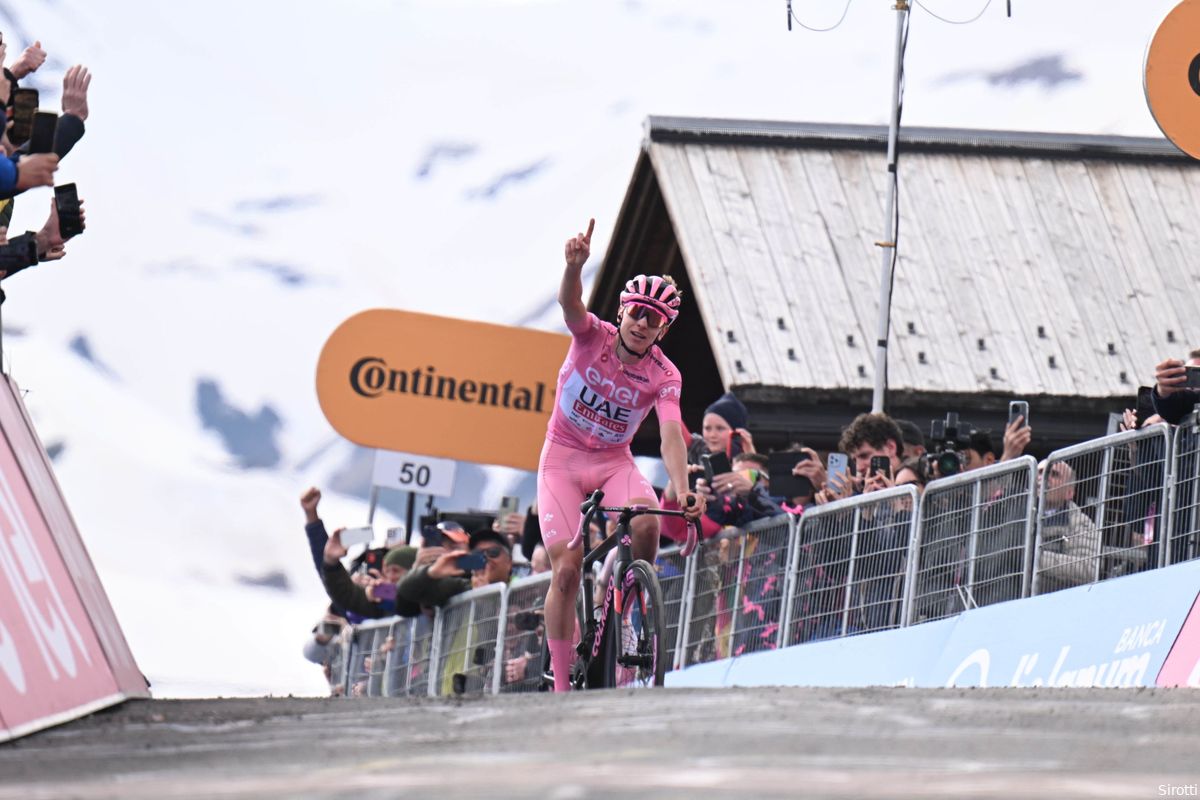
(872, 442)
(378, 597)
(612, 377)
(487, 560)
(1177, 387)
(711, 472)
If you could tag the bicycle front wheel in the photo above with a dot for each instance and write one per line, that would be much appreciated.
(636, 647)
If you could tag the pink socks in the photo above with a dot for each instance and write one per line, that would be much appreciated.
(562, 656)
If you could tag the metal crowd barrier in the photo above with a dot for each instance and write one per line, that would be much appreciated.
(1105, 508)
(1101, 509)
(468, 642)
(974, 543)
(674, 573)
(367, 657)
(1183, 527)
(523, 633)
(735, 592)
(420, 666)
(849, 572)
(337, 663)
(710, 595)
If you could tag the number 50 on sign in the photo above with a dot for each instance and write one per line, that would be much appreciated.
(412, 473)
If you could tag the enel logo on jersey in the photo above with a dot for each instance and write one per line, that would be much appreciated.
(596, 405)
(618, 394)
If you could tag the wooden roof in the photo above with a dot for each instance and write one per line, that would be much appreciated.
(1031, 265)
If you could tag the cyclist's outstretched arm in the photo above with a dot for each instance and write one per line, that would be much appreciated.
(674, 455)
(570, 293)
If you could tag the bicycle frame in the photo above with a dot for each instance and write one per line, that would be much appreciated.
(622, 539)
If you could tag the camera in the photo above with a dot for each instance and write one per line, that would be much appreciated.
(947, 443)
(483, 655)
(527, 621)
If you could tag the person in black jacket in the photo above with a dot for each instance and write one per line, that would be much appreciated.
(1172, 400)
(362, 600)
(349, 599)
(433, 584)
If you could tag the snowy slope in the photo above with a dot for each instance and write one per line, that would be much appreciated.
(256, 172)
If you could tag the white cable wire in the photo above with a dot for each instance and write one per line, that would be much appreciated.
(931, 13)
(837, 24)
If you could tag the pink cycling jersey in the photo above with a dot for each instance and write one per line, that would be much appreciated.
(598, 407)
(600, 402)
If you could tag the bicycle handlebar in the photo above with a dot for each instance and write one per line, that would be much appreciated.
(592, 505)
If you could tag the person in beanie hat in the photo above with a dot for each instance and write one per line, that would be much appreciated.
(723, 430)
(398, 562)
(730, 409)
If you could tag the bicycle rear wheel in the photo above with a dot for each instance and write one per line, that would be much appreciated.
(635, 652)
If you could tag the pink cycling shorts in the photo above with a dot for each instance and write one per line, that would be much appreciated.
(566, 476)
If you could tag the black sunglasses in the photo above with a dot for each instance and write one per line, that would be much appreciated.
(491, 552)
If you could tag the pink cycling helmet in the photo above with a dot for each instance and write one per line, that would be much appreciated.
(654, 292)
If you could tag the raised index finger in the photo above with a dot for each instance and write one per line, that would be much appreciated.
(587, 237)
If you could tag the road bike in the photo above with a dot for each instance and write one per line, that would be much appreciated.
(621, 640)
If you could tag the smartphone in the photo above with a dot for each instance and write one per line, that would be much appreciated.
(353, 536)
(384, 591)
(881, 465)
(510, 505)
(1145, 405)
(718, 463)
(779, 473)
(329, 629)
(25, 104)
(431, 536)
(66, 203)
(1193, 377)
(838, 464)
(471, 562)
(1018, 408)
(41, 136)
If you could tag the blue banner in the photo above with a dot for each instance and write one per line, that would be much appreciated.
(1113, 633)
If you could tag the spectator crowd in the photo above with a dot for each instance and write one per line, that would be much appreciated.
(35, 141)
(744, 487)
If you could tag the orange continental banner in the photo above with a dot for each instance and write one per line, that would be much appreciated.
(438, 386)
(1172, 76)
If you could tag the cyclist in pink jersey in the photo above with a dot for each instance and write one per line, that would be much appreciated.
(612, 376)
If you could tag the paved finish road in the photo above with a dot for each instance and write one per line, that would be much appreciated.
(836, 743)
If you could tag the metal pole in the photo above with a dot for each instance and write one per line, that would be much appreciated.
(408, 518)
(789, 579)
(374, 502)
(973, 545)
(847, 602)
(501, 640)
(1102, 510)
(689, 596)
(888, 245)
